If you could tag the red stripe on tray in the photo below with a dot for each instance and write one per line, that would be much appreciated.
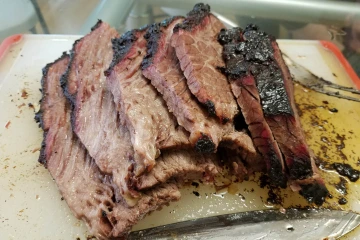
(8, 42)
(348, 68)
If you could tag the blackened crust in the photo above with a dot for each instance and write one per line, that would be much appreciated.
(64, 78)
(300, 168)
(252, 54)
(204, 144)
(194, 17)
(99, 22)
(152, 36)
(121, 47)
(314, 193)
(210, 106)
(276, 173)
(39, 115)
(71, 98)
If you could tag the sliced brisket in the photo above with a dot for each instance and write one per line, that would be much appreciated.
(181, 165)
(253, 58)
(152, 127)
(94, 117)
(87, 192)
(244, 88)
(197, 48)
(162, 67)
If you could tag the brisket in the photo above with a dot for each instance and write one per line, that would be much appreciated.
(152, 127)
(182, 165)
(96, 121)
(197, 48)
(94, 117)
(87, 192)
(254, 58)
(244, 88)
(162, 67)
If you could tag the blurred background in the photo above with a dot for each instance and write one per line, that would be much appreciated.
(335, 21)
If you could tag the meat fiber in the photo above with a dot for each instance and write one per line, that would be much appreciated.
(197, 48)
(141, 107)
(182, 165)
(96, 121)
(253, 58)
(88, 193)
(94, 117)
(162, 67)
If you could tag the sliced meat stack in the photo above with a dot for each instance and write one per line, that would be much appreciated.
(199, 53)
(127, 119)
(94, 117)
(88, 192)
(96, 122)
(162, 67)
(152, 127)
(259, 76)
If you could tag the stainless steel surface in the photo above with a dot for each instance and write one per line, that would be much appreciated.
(308, 11)
(268, 224)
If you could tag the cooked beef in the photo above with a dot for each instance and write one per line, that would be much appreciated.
(152, 127)
(241, 146)
(253, 59)
(94, 117)
(86, 191)
(244, 88)
(96, 121)
(161, 66)
(197, 48)
(183, 165)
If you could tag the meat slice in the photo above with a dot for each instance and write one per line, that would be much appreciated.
(182, 165)
(244, 88)
(197, 48)
(253, 58)
(94, 117)
(162, 67)
(141, 107)
(87, 192)
(96, 121)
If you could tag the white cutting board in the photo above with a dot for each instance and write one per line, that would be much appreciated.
(30, 204)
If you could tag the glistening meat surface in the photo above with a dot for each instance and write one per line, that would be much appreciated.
(88, 193)
(199, 53)
(141, 107)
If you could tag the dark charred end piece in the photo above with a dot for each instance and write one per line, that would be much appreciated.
(152, 35)
(194, 17)
(250, 52)
(300, 169)
(210, 107)
(121, 47)
(314, 193)
(230, 35)
(204, 144)
(98, 23)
